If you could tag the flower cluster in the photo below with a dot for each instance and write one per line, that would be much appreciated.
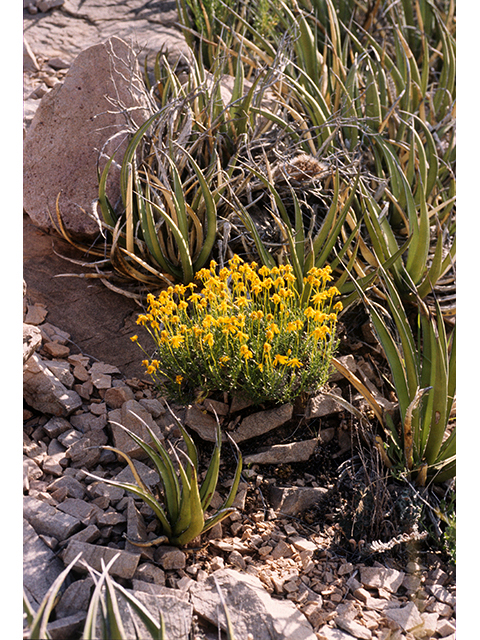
(244, 331)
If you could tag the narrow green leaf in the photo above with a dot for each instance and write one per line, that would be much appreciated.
(113, 618)
(38, 627)
(211, 211)
(108, 212)
(210, 482)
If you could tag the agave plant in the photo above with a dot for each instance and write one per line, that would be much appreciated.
(181, 509)
(422, 441)
(103, 620)
(378, 100)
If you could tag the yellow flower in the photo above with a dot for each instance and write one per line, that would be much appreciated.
(264, 271)
(260, 366)
(285, 293)
(338, 306)
(142, 319)
(294, 362)
(242, 301)
(279, 359)
(179, 379)
(182, 305)
(208, 339)
(267, 347)
(291, 326)
(208, 321)
(195, 297)
(150, 369)
(275, 298)
(145, 363)
(224, 273)
(245, 352)
(223, 360)
(134, 338)
(267, 283)
(320, 297)
(177, 340)
(333, 291)
(319, 316)
(320, 332)
(309, 312)
(273, 327)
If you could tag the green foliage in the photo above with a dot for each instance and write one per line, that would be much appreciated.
(103, 621)
(246, 331)
(450, 537)
(423, 376)
(182, 504)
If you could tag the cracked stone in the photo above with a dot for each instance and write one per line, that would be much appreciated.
(75, 489)
(124, 567)
(44, 392)
(40, 566)
(48, 520)
(170, 557)
(382, 577)
(251, 608)
(262, 422)
(407, 617)
(293, 500)
(322, 405)
(283, 453)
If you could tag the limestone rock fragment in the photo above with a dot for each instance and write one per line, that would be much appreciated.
(70, 129)
(44, 392)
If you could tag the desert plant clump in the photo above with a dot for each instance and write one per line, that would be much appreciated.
(247, 331)
(180, 503)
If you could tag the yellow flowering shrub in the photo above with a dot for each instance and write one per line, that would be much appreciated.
(245, 331)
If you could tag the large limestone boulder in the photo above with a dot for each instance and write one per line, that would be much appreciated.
(70, 131)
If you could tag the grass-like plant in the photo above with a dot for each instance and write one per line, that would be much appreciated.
(248, 331)
(103, 621)
(368, 86)
(423, 371)
(180, 504)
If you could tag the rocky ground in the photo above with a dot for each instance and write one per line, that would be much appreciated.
(290, 551)
(276, 547)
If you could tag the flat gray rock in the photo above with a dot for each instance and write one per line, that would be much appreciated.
(250, 607)
(70, 130)
(177, 615)
(44, 392)
(283, 453)
(40, 566)
(293, 500)
(124, 566)
(48, 521)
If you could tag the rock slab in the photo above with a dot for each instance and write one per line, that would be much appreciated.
(40, 566)
(250, 607)
(44, 392)
(71, 127)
